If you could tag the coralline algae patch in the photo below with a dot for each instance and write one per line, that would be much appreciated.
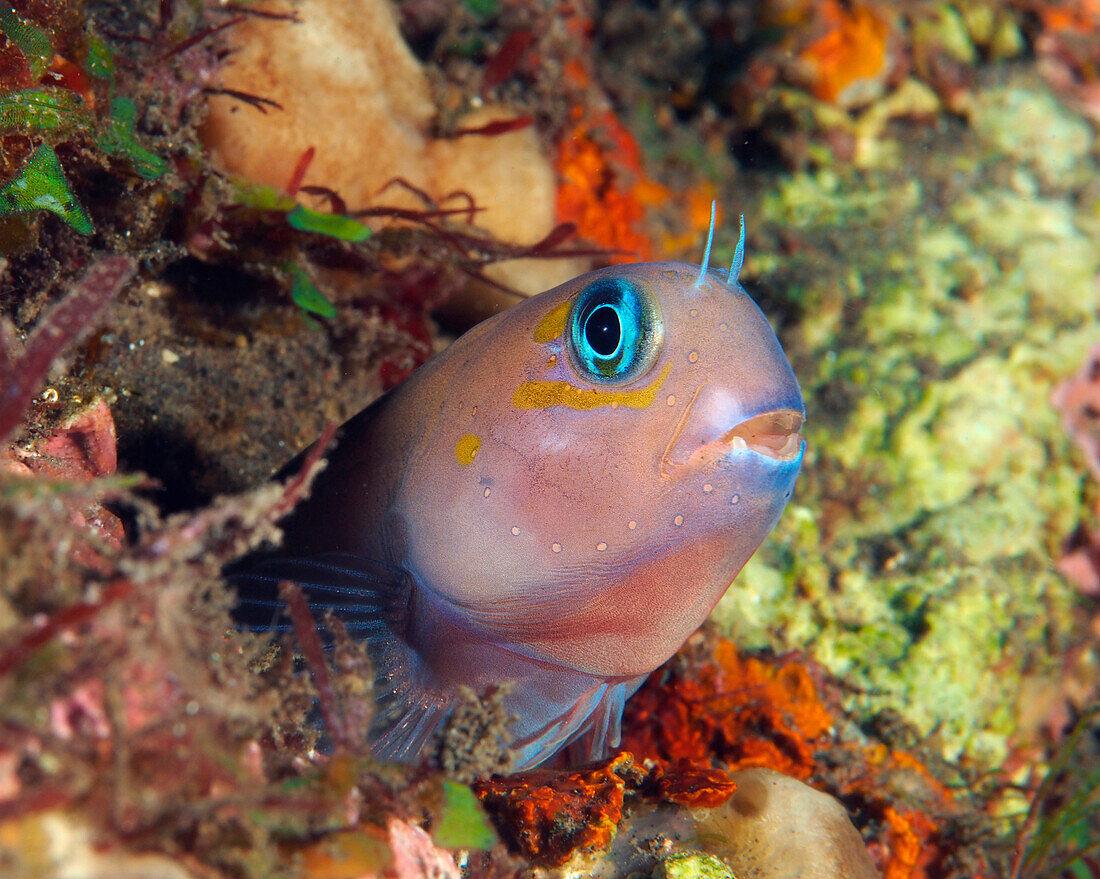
(738, 709)
(915, 559)
(708, 726)
(717, 706)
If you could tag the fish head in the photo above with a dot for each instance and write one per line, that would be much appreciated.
(601, 461)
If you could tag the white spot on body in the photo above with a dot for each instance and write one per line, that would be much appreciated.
(679, 520)
(735, 499)
(556, 547)
(487, 491)
(671, 400)
(631, 524)
(708, 488)
(693, 357)
(600, 547)
(515, 530)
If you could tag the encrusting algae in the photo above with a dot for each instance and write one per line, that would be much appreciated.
(739, 709)
(714, 723)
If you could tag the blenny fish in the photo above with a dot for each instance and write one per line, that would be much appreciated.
(557, 500)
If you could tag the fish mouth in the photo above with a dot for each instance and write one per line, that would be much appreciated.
(772, 434)
(698, 442)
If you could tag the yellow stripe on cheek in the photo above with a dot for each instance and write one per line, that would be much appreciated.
(543, 395)
(466, 449)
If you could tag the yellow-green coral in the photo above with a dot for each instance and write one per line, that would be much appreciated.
(917, 555)
(692, 865)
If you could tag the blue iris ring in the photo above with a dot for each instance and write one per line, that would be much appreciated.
(615, 330)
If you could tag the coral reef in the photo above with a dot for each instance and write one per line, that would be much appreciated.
(754, 822)
(919, 183)
(550, 815)
(708, 734)
(916, 557)
(712, 705)
(741, 710)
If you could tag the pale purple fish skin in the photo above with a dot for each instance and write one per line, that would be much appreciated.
(580, 547)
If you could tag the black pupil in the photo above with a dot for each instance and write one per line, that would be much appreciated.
(602, 330)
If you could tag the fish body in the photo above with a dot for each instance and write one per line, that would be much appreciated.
(558, 499)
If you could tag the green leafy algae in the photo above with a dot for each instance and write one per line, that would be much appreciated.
(306, 295)
(40, 111)
(100, 61)
(262, 197)
(462, 823)
(118, 137)
(483, 8)
(41, 186)
(30, 39)
(333, 225)
(1060, 831)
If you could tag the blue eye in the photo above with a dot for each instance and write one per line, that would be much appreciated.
(614, 330)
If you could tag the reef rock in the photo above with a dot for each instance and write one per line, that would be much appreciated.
(347, 85)
(776, 827)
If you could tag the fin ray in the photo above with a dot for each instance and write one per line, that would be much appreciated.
(372, 599)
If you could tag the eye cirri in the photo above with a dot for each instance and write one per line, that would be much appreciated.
(615, 330)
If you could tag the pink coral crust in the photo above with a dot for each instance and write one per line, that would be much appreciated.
(1078, 399)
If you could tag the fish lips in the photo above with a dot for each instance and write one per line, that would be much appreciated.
(775, 434)
(704, 438)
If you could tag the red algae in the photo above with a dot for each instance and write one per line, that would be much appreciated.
(549, 815)
(737, 709)
(22, 373)
(1078, 399)
(851, 54)
(599, 168)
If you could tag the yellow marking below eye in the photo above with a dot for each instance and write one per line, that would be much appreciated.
(553, 325)
(466, 449)
(543, 395)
